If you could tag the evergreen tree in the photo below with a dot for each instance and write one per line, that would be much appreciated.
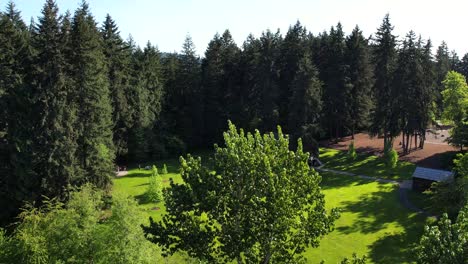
(95, 147)
(463, 69)
(292, 50)
(410, 89)
(385, 117)
(183, 102)
(118, 58)
(335, 92)
(442, 66)
(260, 76)
(359, 81)
(53, 108)
(220, 84)
(146, 101)
(250, 116)
(18, 183)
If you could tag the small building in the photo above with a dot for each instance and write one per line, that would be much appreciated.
(424, 177)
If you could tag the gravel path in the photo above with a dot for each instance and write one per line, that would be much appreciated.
(404, 187)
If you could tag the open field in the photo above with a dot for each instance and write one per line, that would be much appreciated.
(372, 221)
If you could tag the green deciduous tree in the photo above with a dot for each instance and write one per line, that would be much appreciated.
(79, 232)
(455, 99)
(261, 203)
(446, 242)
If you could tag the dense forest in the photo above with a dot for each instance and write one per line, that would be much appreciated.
(76, 98)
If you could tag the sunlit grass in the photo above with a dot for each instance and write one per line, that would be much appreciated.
(365, 164)
(372, 221)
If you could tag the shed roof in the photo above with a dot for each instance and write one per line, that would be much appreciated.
(432, 174)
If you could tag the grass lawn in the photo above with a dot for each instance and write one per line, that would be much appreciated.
(372, 221)
(365, 164)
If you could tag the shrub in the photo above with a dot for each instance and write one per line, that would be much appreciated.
(164, 169)
(352, 151)
(154, 171)
(154, 192)
(79, 232)
(392, 158)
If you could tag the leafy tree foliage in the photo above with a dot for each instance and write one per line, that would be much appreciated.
(451, 196)
(446, 242)
(262, 203)
(79, 232)
(455, 98)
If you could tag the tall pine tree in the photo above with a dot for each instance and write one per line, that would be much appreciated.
(95, 151)
(53, 108)
(360, 100)
(118, 58)
(385, 117)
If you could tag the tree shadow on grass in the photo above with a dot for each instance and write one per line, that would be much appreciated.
(331, 180)
(377, 210)
(397, 248)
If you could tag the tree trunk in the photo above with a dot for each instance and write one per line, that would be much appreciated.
(415, 141)
(410, 141)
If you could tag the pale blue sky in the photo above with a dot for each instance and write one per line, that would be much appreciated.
(166, 23)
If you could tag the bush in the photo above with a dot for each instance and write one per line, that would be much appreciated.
(390, 156)
(154, 171)
(164, 169)
(446, 242)
(352, 151)
(79, 232)
(154, 192)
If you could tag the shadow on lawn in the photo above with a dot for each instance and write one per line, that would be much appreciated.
(375, 212)
(396, 248)
(332, 181)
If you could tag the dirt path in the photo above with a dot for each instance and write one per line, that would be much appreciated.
(403, 188)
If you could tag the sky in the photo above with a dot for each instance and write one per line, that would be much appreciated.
(167, 23)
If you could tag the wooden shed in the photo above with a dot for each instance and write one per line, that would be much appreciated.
(424, 177)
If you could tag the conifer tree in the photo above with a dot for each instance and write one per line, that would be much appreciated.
(220, 84)
(147, 102)
(292, 50)
(359, 81)
(442, 66)
(53, 108)
(183, 100)
(95, 147)
(335, 91)
(18, 183)
(118, 58)
(385, 117)
(305, 103)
